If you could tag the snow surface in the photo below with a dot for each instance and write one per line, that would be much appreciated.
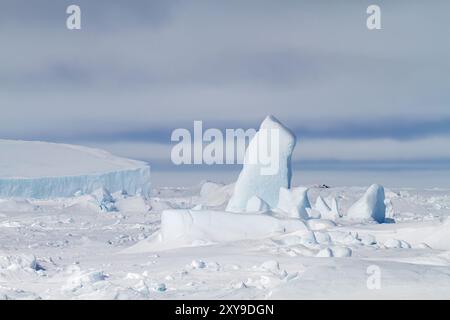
(72, 249)
(256, 179)
(106, 239)
(32, 169)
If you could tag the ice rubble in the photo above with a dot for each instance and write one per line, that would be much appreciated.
(325, 210)
(284, 208)
(79, 279)
(321, 205)
(104, 199)
(261, 206)
(19, 262)
(40, 170)
(255, 204)
(294, 202)
(214, 194)
(256, 177)
(370, 207)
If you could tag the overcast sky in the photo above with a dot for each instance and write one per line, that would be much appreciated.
(139, 69)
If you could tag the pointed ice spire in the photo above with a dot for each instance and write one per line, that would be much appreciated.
(267, 166)
(322, 206)
(370, 207)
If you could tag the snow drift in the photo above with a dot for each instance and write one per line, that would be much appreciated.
(191, 227)
(41, 170)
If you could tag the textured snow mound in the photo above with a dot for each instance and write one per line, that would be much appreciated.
(370, 207)
(265, 172)
(434, 234)
(189, 228)
(215, 194)
(82, 279)
(27, 262)
(40, 170)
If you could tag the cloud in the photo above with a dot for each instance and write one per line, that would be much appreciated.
(374, 150)
(97, 15)
(138, 70)
(389, 129)
(318, 152)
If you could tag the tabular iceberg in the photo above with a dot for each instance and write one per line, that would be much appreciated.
(182, 227)
(42, 170)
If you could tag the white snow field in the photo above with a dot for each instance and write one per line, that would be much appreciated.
(67, 237)
(42, 170)
(71, 248)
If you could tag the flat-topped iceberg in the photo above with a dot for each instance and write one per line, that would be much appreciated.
(42, 170)
(183, 227)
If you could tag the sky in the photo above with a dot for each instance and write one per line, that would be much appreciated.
(137, 70)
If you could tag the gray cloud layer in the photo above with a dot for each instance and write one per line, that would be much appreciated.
(138, 69)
